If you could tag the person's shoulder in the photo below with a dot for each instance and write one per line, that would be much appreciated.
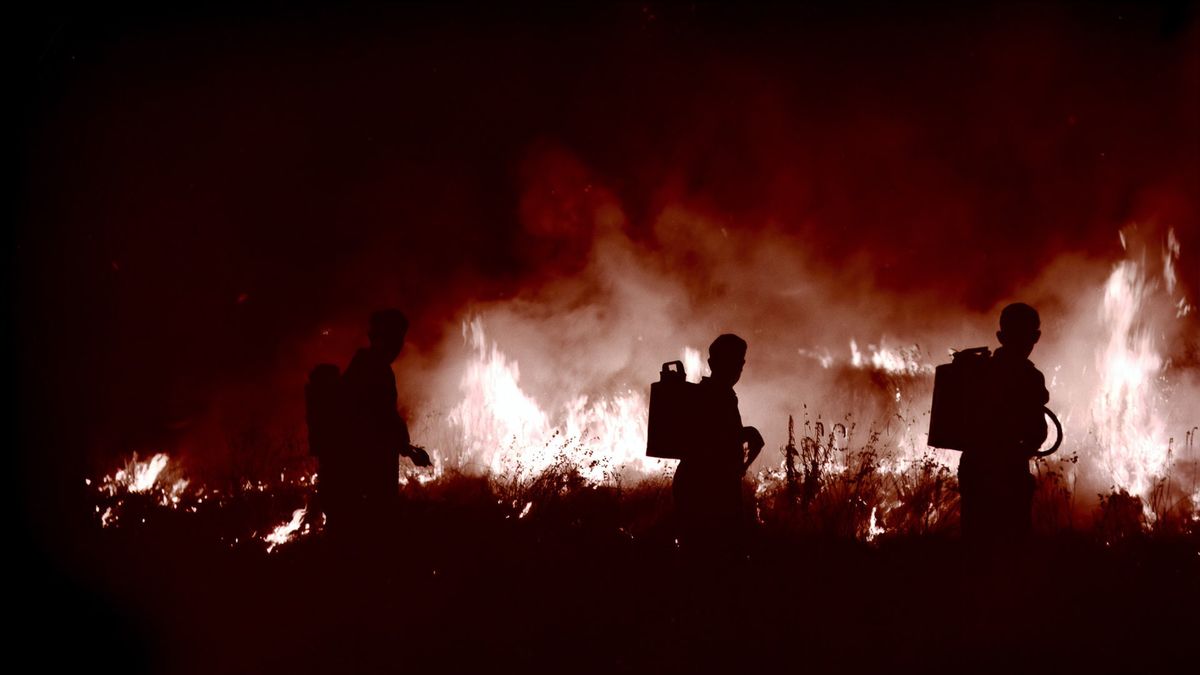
(1028, 369)
(358, 360)
(1034, 369)
(1034, 380)
(362, 364)
(710, 392)
(1001, 359)
(1021, 368)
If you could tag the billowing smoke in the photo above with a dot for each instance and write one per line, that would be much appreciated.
(825, 342)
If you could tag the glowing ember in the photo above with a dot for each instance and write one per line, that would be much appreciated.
(874, 529)
(286, 532)
(421, 475)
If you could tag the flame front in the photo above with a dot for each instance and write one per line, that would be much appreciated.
(1112, 397)
(504, 429)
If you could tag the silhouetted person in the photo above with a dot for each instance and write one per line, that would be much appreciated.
(708, 481)
(708, 509)
(363, 475)
(994, 481)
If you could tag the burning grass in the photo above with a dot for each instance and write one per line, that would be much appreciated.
(827, 485)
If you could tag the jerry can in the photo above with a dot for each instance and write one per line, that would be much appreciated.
(671, 409)
(960, 412)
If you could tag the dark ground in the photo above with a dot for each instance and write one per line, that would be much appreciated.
(462, 588)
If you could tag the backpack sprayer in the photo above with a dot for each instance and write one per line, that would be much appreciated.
(672, 401)
(677, 423)
(960, 414)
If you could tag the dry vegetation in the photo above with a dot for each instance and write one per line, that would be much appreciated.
(549, 571)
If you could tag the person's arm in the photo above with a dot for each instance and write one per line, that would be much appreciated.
(416, 453)
(754, 442)
(1034, 430)
(403, 441)
(389, 425)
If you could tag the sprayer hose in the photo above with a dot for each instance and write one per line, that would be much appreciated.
(1058, 428)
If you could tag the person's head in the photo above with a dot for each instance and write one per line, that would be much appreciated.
(387, 330)
(1019, 328)
(726, 357)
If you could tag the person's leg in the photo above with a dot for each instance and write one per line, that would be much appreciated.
(968, 506)
(1027, 505)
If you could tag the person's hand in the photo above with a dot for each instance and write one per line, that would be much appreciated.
(754, 442)
(752, 438)
(419, 456)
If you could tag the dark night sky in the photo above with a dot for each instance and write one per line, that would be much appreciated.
(200, 188)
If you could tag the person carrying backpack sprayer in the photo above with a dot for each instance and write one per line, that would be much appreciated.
(992, 407)
(357, 433)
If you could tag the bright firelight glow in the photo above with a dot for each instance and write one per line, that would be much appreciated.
(285, 532)
(1130, 428)
(506, 430)
(1113, 401)
(904, 361)
(141, 476)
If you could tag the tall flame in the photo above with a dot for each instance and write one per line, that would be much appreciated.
(141, 476)
(496, 413)
(1126, 410)
(506, 430)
